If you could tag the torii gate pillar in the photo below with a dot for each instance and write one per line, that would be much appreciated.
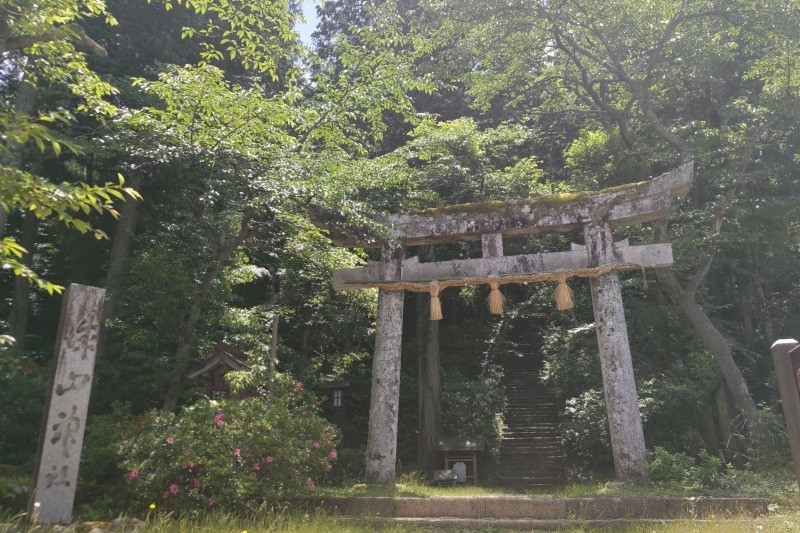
(622, 403)
(385, 398)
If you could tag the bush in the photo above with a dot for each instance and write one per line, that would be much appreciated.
(586, 436)
(101, 481)
(669, 467)
(228, 454)
(704, 473)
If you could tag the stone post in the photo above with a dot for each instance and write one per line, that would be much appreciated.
(61, 437)
(622, 402)
(385, 398)
(786, 357)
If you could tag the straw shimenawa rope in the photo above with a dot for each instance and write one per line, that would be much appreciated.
(563, 293)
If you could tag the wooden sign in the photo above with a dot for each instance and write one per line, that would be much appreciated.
(786, 357)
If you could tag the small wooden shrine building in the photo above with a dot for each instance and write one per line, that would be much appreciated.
(212, 371)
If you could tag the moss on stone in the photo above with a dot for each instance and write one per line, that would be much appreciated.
(498, 206)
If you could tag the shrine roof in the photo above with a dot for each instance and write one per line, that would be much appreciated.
(224, 356)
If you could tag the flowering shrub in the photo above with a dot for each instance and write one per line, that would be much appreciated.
(228, 454)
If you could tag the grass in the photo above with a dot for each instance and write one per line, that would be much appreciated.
(289, 521)
(779, 486)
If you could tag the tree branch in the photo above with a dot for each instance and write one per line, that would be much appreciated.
(70, 32)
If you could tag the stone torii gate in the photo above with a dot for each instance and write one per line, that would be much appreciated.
(596, 214)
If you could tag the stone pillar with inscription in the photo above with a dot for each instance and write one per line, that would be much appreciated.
(61, 437)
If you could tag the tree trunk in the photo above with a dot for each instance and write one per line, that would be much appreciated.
(24, 104)
(273, 352)
(20, 307)
(304, 357)
(118, 261)
(429, 377)
(186, 336)
(718, 346)
(746, 311)
(121, 249)
(760, 297)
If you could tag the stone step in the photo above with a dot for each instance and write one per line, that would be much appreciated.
(523, 443)
(513, 456)
(536, 470)
(533, 460)
(525, 524)
(534, 433)
(538, 451)
(546, 434)
(506, 511)
(529, 420)
(531, 398)
(527, 436)
(551, 472)
(540, 427)
(520, 425)
(530, 480)
(527, 412)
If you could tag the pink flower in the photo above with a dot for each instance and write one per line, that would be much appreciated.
(299, 384)
(211, 501)
(333, 454)
(253, 474)
(118, 425)
(173, 488)
(186, 452)
(315, 444)
(257, 467)
(170, 441)
(197, 483)
(133, 475)
(219, 419)
(237, 452)
(303, 412)
(165, 495)
(269, 459)
(309, 484)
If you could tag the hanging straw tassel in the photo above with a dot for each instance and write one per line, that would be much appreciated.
(495, 298)
(563, 294)
(436, 304)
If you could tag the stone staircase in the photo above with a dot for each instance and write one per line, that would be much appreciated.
(531, 456)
